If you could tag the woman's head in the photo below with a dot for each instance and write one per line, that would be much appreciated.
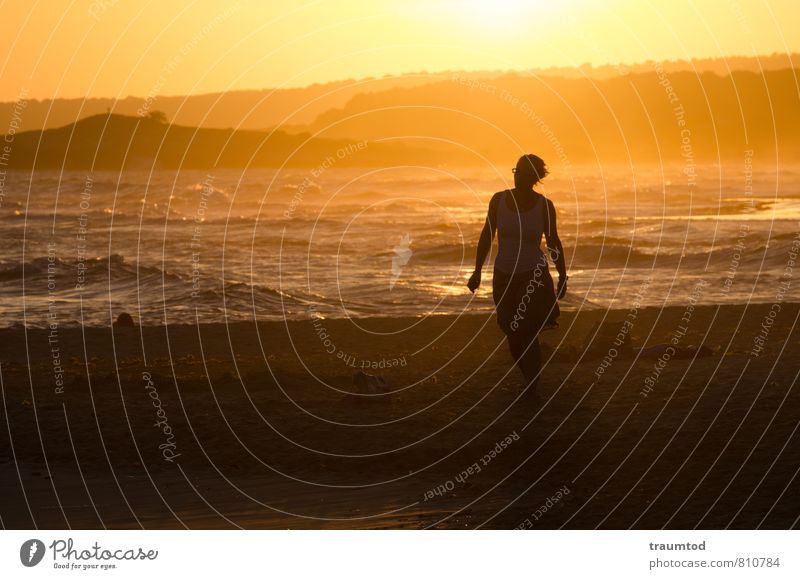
(529, 171)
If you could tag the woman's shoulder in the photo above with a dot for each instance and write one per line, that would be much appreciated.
(548, 202)
(497, 197)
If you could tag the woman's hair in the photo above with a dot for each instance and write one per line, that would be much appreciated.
(530, 169)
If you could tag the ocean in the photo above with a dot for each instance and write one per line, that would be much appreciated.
(193, 247)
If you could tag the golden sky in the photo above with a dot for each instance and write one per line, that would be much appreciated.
(116, 48)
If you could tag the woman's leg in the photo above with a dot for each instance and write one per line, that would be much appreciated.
(531, 361)
(543, 311)
(516, 348)
(521, 334)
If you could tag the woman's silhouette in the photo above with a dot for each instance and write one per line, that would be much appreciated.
(521, 286)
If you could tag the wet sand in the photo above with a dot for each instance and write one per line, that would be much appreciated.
(259, 426)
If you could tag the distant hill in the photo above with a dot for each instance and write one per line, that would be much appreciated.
(645, 116)
(644, 113)
(115, 142)
(291, 107)
(720, 66)
(241, 109)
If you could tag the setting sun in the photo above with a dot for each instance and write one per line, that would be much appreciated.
(517, 15)
(124, 47)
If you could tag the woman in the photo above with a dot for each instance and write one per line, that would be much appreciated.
(521, 286)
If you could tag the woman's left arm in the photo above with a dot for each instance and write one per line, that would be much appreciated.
(555, 247)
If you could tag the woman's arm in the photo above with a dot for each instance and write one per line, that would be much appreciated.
(556, 249)
(484, 243)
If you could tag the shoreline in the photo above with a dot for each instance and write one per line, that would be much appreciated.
(565, 309)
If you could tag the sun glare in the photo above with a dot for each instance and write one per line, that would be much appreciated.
(500, 14)
(496, 12)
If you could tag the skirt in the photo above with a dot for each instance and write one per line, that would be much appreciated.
(526, 302)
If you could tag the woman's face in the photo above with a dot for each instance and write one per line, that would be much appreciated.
(524, 180)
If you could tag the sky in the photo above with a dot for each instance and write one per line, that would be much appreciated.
(118, 48)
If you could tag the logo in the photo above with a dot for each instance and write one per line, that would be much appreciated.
(402, 253)
(32, 552)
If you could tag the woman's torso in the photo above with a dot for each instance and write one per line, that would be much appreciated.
(519, 235)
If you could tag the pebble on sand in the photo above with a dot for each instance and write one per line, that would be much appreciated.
(124, 320)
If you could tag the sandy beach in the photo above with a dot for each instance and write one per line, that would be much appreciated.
(261, 426)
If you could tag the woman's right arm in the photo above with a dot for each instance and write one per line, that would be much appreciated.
(484, 243)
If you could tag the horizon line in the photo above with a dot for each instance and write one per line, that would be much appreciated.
(790, 56)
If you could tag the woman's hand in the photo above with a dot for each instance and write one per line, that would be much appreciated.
(474, 281)
(562, 287)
